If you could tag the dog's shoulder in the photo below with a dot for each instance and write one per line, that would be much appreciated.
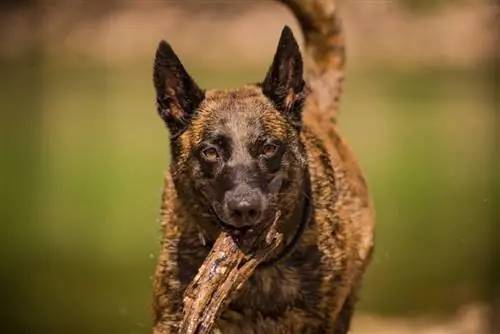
(333, 164)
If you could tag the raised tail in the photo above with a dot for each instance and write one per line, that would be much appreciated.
(324, 52)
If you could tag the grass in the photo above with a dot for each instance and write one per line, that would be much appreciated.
(86, 157)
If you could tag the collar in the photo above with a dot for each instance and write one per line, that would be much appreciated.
(305, 219)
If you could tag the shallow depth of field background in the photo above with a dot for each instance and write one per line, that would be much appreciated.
(84, 152)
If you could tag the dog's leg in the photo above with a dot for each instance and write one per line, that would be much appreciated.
(343, 322)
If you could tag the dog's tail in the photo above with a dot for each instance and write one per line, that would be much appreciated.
(324, 52)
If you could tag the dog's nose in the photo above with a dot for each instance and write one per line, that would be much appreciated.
(244, 206)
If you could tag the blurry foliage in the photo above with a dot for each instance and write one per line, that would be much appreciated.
(422, 6)
(83, 155)
(83, 185)
(494, 80)
(215, 6)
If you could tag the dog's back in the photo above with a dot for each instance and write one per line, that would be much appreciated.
(314, 287)
(325, 62)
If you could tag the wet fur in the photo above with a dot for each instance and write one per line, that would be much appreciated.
(314, 289)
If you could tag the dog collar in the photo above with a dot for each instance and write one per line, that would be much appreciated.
(305, 219)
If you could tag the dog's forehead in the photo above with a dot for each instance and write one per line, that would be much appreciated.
(241, 120)
(241, 113)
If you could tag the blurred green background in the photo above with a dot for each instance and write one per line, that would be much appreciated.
(84, 155)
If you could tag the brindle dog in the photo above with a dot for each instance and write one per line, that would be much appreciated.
(240, 155)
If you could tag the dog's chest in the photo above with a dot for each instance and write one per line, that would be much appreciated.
(279, 294)
(269, 291)
(285, 294)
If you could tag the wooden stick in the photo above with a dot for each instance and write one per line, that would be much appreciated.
(221, 276)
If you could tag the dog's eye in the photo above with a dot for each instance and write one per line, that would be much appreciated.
(269, 150)
(210, 154)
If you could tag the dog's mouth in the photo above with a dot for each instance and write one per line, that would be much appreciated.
(233, 230)
(236, 231)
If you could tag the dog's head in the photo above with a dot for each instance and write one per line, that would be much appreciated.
(236, 154)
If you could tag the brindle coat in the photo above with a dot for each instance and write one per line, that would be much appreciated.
(313, 287)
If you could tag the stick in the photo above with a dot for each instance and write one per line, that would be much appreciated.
(221, 276)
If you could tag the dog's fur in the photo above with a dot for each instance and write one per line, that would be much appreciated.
(278, 138)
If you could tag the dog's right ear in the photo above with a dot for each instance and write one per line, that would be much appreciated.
(177, 95)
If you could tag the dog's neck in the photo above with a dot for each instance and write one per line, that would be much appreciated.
(296, 224)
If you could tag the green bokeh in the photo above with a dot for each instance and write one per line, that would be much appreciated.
(85, 154)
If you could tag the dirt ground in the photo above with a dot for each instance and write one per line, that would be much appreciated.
(471, 319)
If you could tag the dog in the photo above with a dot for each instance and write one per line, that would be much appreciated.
(240, 155)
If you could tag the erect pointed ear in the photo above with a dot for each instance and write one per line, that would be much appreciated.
(177, 95)
(284, 83)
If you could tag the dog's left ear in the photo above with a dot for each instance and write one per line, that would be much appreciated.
(177, 95)
(284, 83)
